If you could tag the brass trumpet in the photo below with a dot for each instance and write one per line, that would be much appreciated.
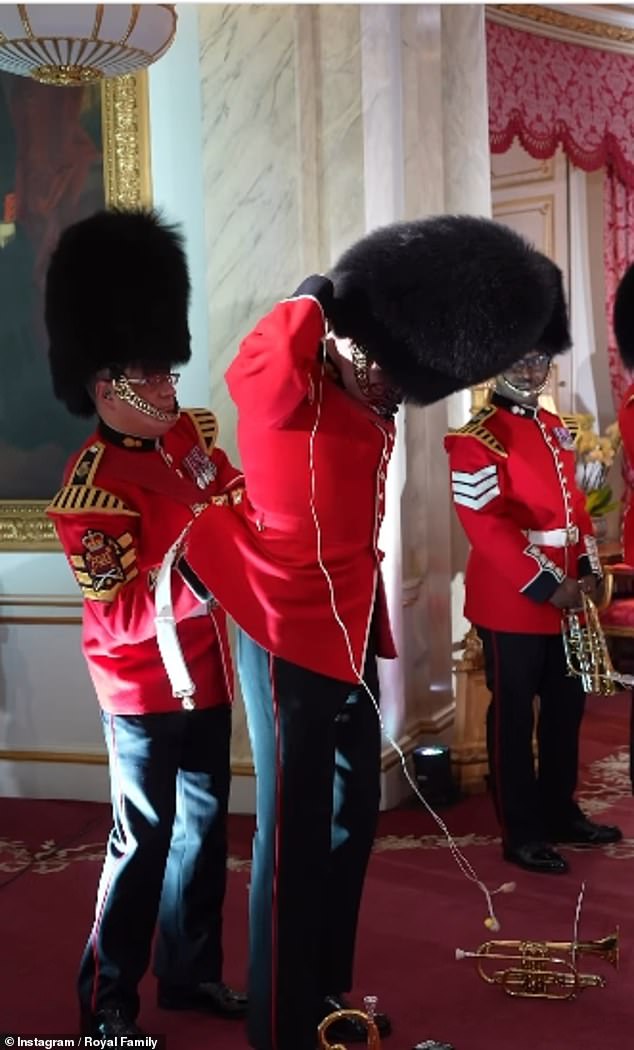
(586, 649)
(374, 1041)
(543, 969)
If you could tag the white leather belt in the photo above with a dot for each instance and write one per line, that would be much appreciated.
(198, 610)
(183, 687)
(554, 537)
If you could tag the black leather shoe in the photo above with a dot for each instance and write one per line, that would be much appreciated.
(349, 1029)
(583, 832)
(109, 1022)
(209, 997)
(537, 856)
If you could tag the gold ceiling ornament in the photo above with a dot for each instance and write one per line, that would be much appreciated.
(73, 44)
(604, 26)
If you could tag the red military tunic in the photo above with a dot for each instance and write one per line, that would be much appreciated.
(125, 500)
(299, 555)
(514, 489)
(626, 426)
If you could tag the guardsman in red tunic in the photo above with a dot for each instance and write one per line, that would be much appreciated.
(624, 331)
(145, 472)
(414, 311)
(532, 552)
(626, 428)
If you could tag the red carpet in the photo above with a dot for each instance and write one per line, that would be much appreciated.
(417, 910)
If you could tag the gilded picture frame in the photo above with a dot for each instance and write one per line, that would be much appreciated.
(126, 184)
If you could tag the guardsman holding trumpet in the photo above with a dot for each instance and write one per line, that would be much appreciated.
(532, 555)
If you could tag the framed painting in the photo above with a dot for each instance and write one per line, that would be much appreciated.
(64, 153)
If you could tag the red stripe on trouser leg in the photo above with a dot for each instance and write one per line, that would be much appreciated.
(497, 708)
(105, 890)
(276, 856)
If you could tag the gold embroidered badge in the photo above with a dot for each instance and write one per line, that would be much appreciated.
(106, 564)
(102, 559)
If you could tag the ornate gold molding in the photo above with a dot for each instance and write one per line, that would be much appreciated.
(88, 758)
(127, 184)
(423, 729)
(43, 621)
(241, 767)
(593, 32)
(23, 526)
(39, 601)
(79, 758)
(126, 148)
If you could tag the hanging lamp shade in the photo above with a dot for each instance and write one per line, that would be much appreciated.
(74, 44)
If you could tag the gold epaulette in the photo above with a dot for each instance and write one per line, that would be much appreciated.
(476, 428)
(77, 499)
(206, 426)
(80, 494)
(572, 424)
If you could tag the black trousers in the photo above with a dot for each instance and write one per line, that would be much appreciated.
(518, 668)
(316, 744)
(166, 857)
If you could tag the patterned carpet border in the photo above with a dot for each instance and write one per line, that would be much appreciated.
(607, 782)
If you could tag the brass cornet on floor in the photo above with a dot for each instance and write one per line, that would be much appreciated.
(542, 969)
(587, 655)
(374, 1041)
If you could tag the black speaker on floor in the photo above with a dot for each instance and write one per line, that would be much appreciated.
(432, 771)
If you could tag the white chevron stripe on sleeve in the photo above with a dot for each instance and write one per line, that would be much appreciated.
(460, 489)
(475, 484)
(476, 502)
(475, 476)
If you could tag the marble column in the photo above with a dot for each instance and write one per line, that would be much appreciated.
(321, 122)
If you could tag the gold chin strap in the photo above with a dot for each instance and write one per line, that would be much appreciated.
(383, 398)
(124, 392)
(526, 395)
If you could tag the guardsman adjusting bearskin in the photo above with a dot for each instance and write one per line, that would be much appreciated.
(413, 311)
(116, 311)
(532, 551)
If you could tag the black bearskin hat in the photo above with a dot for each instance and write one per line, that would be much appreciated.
(117, 294)
(447, 302)
(624, 318)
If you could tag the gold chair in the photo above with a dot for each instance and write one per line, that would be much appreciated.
(616, 613)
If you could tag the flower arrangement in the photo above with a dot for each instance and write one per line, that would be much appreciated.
(595, 456)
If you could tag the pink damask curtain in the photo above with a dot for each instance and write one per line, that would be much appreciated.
(548, 93)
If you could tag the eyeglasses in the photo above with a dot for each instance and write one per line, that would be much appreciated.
(154, 380)
(531, 362)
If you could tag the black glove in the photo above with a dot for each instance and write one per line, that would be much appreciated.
(320, 288)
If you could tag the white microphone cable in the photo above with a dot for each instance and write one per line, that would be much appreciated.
(466, 868)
